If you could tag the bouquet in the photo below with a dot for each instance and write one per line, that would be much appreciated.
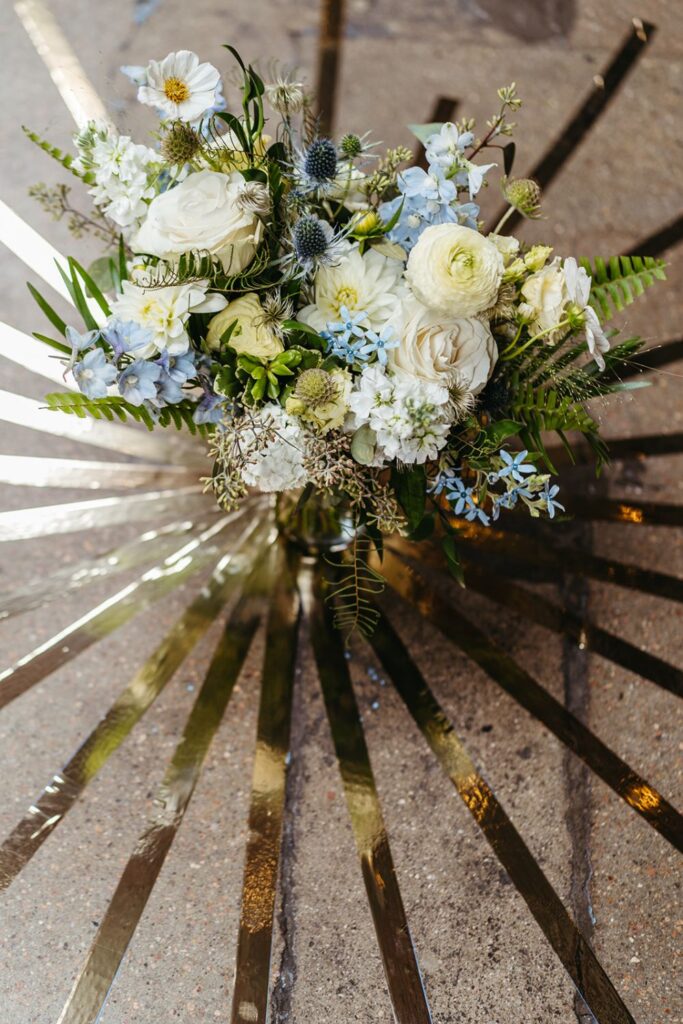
(340, 327)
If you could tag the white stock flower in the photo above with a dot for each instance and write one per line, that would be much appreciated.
(441, 350)
(369, 283)
(578, 287)
(279, 465)
(545, 293)
(455, 270)
(205, 213)
(165, 312)
(179, 86)
(124, 173)
(410, 418)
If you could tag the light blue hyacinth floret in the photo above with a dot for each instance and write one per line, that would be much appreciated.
(431, 197)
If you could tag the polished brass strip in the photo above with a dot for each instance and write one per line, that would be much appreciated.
(28, 352)
(67, 785)
(252, 971)
(512, 553)
(150, 546)
(35, 471)
(616, 510)
(640, 447)
(586, 635)
(64, 67)
(511, 677)
(157, 446)
(110, 615)
(88, 995)
(49, 520)
(405, 986)
(573, 950)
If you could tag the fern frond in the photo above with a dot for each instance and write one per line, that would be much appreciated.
(65, 159)
(197, 265)
(544, 409)
(354, 589)
(112, 407)
(619, 281)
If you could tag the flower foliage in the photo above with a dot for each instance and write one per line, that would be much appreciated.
(335, 320)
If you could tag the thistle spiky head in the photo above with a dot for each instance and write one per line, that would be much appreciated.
(351, 145)
(180, 143)
(315, 388)
(320, 161)
(524, 194)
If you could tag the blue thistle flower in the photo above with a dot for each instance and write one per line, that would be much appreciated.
(320, 162)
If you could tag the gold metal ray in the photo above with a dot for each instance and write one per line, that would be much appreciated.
(148, 547)
(67, 785)
(254, 947)
(32, 354)
(617, 510)
(159, 446)
(571, 947)
(586, 635)
(33, 471)
(62, 63)
(92, 985)
(404, 982)
(49, 520)
(522, 687)
(112, 613)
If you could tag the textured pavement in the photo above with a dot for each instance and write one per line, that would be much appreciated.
(483, 957)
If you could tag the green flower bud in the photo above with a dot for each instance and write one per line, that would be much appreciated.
(351, 145)
(180, 143)
(524, 194)
(537, 257)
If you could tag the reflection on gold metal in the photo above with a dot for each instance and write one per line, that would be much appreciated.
(560, 931)
(62, 63)
(143, 689)
(157, 446)
(643, 797)
(150, 546)
(92, 985)
(111, 614)
(31, 471)
(32, 354)
(406, 991)
(628, 514)
(48, 520)
(523, 688)
(254, 947)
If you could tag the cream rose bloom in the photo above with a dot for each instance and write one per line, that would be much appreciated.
(441, 350)
(545, 295)
(250, 335)
(455, 270)
(204, 213)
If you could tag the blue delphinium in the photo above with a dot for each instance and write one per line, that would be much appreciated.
(94, 374)
(126, 337)
(137, 383)
(79, 343)
(175, 371)
(427, 198)
(210, 408)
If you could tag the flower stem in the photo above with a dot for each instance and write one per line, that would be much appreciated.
(506, 216)
(511, 353)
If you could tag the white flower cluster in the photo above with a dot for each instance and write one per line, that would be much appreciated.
(410, 418)
(279, 464)
(124, 171)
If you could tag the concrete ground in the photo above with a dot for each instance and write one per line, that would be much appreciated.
(483, 957)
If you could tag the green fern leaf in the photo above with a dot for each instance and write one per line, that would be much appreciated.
(620, 281)
(65, 159)
(354, 590)
(76, 404)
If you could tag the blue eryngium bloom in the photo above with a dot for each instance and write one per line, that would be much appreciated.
(319, 164)
(137, 383)
(94, 374)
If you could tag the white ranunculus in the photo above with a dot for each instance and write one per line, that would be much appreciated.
(205, 213)
(441, 350)
(546, 294)
(455, 270)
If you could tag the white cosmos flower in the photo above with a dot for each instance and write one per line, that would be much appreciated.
(369, 283)
(179, 86)
(165, 312)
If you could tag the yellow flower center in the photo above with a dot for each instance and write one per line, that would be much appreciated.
(345, 297)
(176, 90)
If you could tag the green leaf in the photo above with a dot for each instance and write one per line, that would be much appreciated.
(54, 317)
(424, 529)
(76, 292)
(411, 491)
(620, 281)
(76, 404)
(52, 343)
(91, 286)
(450, 550)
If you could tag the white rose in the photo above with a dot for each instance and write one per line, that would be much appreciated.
(443, 350)
(455, 270)
(203, 212)
(545, 293)
(250, 334)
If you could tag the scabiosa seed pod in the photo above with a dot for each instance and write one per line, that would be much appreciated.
(351, 145)
(524, 194)
(314, 388)
(180, 143)
(311, 238)
(320, 161)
